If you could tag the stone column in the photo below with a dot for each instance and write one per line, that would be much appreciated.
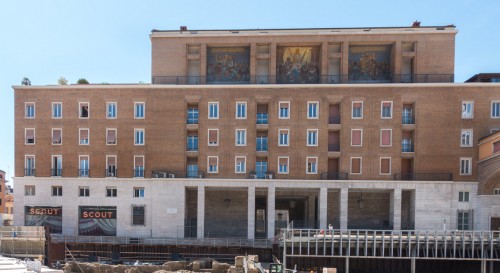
(271, 196)
(311, 210)
(251, 213)
(323, 208)
(344, 204)
(324, 62)
(344, 68)
(253, 62)
(272, 62)
(201, 212)
(395, 207)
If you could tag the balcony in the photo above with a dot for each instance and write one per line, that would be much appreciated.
(334, 176)
(261, 144)
(56, 172)
(111, 172)
(177, 174)
(83, 172)
(424, 176)
(262, 118)
(408, 118)
(323, 79)
(407, 146)
(29, 172)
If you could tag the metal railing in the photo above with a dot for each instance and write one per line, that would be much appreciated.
(29, 172)
(334, 176)
(83, 172)
(111, 172)
(138, 172)
(176, 174)
(408, 119)
(56, 172)
(407, 146)
(424, 176)
(262, 118)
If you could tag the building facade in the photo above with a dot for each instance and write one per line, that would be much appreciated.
(243, 132)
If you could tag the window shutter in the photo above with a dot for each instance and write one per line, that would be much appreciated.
(283, 161)
(139, 161)
(112, 161)
(240, 159)
(496, 147)
(385, 165)
(111, 138)
(386, 104)
(30, 134)
(356, 165)
(212, 160)
(311, 160)
(84, 134)
(357, 105)
(386, 137)
(356, 137)
(56, 136)
(212, 136)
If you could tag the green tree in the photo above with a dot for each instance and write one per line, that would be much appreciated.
(82, 81)
(62, 81)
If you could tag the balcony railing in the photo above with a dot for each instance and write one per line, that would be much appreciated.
(56, 172)
(176, 174)
(334, 120)
(29, 172)
(138, 172)
(408, 119)
(262, 118)
(192, 120)
(111, 172)
(424, 176)
(334, 147)
(83, 172)
(261, 146)
(322, 79)
(407, 146)
(334, 176)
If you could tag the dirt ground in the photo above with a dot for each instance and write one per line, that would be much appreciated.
(181, 267)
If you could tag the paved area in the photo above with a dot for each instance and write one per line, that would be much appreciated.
(13, 265)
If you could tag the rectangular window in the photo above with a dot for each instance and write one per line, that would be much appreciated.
(84, 166)
(466, 138)
(241, 110)
(192, 143)
(111, 136)
(56, 165)
(312, 137)
(29, 110)
(138, 192)
(29, 165)
(312, 165)
(84, 136)
(29, 190)
(464, 220)
(84, 110)
(385, 165)
(138, 213)
(111, 110)
(192, 171)
(56, 136)
(111, 170)
(138, 136)
(283, 137)
(356, 165)
(463, 196)
(192, 115)
(261, 144)
(29, 136)
(83, 191)
(496, 147)
(356, 137)
(213, 137)
(282, 165)
(138, 166)
(56, 190)
(241, 137)
(467, 109)
(495, 109)
(465, 166)
(284, 110)
(111, 192)
(357, 109)
(496, 191)
(313, 110)
(386, 137)
(57, 110)
(240, 164)
(213, 110)
(386, 110)
(139, 108)
(213, 162)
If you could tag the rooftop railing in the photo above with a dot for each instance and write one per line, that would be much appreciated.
(424, 176)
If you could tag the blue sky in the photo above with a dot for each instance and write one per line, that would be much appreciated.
(107, 41)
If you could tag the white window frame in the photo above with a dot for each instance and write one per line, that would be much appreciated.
(464, 113)
(352, 109)
(60, 110)
(108, 104)
(360, 165)
(361, 140)
(463, 134)
(380, 166)
(86, 193)
(26, 162)
(136, 114)
(496, 191)
(497, 102)
(143, 165)
(244, 170)
(80, 136)
(136, 141)
(244, 141)
(469, 163)
(287, 164)
(315, 171)
(208, 138)
(316, 113)
(315, 140)
(244, 113)
(382, 109)
(390, 138)
(116, 165)
(287, 138)
(79, 165)
(29, 190)
(216, 165)
(26, 110)
(52, 136)
(26, 139)
(116, 136)
(288, 112)
(215, 114)
(59, 191)
(464, 196)
(113, 193)
(141, 192)
(52, 162)
(80, 110)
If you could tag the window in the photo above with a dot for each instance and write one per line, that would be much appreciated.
(284, 110)
(139, 192)
(84, 136)
(356, 137)
(386, 110)
(282, 165)
(56, 136)
(356, 165)
(311, 167)
(138, 166)
(192, 143)
(192, 171)
(111, 110)
(111, 136)
(192, 115)
(111, 166)
(139, 110)
(84, 110)
(213, 110)
(29, 136)
(83, 191)
(386, 137)
(261, 144)
(213, 137)
(57, 110)
(138, 136)
(313, 110)
(260, 168)
(84, 166)
(385, 165)
(464, 220)
(466, 138)
(357, 109)
(465, 166)
(241, 110)
(496, 191)
(312, 137)
(240, 164)
(495, 109)
(56, 190)
(29, 165)
(29, 111)
(241, 137)
(467, 109)
(496, 147)
(111, 192)
(29, 190)
(56, 165)
(463, 196)
(283, 137)
(138, 215)
(213, 162)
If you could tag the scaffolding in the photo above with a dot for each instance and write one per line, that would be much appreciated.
(22, 242)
